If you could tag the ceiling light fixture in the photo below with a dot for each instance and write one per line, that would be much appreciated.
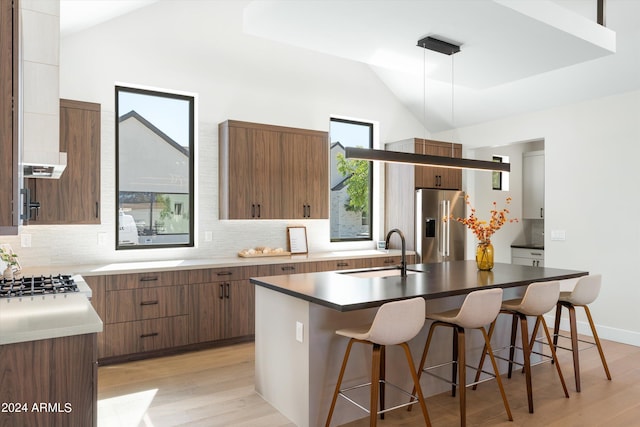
(446, 48)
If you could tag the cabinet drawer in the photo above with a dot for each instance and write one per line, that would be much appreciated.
(146, 303)
(146, 280)
(145, 335)
(388, 261)
(537, 254)
(213, 275)
(344, 264)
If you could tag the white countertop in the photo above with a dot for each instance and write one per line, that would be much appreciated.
(43, 317)
(194, 264)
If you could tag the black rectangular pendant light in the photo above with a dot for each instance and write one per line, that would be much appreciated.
(438, 45)
(424, 159)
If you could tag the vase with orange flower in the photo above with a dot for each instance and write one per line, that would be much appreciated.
(483, 231)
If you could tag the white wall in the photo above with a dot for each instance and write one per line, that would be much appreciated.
(591, 187)
(235, 76)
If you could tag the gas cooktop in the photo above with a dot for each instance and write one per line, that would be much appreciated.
(37, 285)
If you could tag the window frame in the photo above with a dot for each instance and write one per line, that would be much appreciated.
(370, 125)
(191, 185)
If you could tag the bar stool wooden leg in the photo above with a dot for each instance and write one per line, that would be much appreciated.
(487, 340)
(554, 355)
(462, 375)
(556, 325)
(423, 359)
(512, 349)
(454, 357)
(597, 341)
(484, 353)
(416, 384)
(375, 384)
(574, 345)
(526, 354)
(339, 383)
(383, 365)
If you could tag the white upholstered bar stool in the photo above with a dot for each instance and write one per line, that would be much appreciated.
(585, 292)
(479, 308)
(395, 323)
(538, 299)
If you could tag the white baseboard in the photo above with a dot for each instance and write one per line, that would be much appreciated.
(605, 333)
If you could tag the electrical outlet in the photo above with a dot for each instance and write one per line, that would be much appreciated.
(208, 236)
(25, 240)
(102, 239)
(558, 235)
(299, 332)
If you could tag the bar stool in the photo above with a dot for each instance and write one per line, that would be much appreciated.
(395, 323)
(538, 299)
(585, 292)
(478, 309)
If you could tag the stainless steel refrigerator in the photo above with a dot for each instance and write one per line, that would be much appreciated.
(437, 240)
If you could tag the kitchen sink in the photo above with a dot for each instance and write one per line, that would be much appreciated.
(384, 272)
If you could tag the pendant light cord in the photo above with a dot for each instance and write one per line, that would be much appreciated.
(424, 90)
(453, 127)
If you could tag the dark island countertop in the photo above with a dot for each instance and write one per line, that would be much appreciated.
(345, 292)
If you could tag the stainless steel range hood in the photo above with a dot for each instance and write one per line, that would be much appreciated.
(40, 87)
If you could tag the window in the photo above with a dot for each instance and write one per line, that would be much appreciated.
(154, 169)
(351, 182)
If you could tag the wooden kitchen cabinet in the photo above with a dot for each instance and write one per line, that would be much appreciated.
(427, 176)
(533, 185)
(272, 172)
(306, 177)
(142, 312)
(9, 185)
(74, 198)
(61, 373)
(222, 304)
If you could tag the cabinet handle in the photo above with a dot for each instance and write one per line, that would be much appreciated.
(541, 212)
(388, 261)
(149, 302)
(228, 292)
(253, 210)
(536, 253)
(149, 279)
(97, 210)
(152, 334)
(258, 210)
(221, 295)
(288, 268)
(343, 264)
(225, 273)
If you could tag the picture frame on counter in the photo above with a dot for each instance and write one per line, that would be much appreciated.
(297, 240)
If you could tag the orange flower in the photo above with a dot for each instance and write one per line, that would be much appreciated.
(483, 229)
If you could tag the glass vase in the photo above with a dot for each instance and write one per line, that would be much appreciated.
(484, 255)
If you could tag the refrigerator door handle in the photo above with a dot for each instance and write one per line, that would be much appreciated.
(443, 238)
(447, 209)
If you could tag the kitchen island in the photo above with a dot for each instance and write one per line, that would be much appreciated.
(298, 354)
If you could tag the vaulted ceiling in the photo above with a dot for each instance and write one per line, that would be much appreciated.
(516, 56)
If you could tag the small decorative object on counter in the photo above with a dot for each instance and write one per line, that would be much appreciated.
(484, 256)
(9, 262)
(484, 230)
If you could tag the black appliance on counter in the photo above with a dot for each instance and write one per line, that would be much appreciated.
(37, 285)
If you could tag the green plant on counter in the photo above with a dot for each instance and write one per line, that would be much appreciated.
(8, 257)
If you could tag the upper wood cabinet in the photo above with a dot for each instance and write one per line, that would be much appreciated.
(9, 186)
(533, 185)
(272, 172)
(427, 176)
(74, 198)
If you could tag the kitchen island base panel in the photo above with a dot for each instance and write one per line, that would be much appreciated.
(298, 378)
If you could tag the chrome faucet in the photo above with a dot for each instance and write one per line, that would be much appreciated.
(403, 262)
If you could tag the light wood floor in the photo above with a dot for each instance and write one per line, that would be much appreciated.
(215, 388)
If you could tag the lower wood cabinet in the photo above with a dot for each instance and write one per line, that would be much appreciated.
(59, 373)
(146, 314)
(222, 310)
(145, 335)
